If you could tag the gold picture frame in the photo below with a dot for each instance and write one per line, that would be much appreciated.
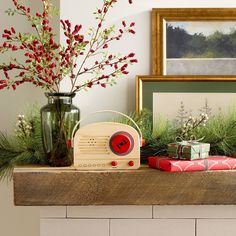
(148, 84)
(161, 16)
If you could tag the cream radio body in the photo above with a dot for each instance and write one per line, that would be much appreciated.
(106, 145)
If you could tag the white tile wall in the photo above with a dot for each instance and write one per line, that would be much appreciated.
(138, 221)
(109, 211)
(216, 227)
(194, 212)
(53, 212)
(74, 227)
(145, 227)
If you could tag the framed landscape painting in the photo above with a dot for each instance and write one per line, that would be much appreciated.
(194, 41)
(175, 98)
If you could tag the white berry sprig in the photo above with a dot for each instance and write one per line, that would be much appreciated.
(191, 124)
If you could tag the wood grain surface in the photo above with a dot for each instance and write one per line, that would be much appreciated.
(55, 186)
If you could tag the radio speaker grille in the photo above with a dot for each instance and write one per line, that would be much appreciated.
(93, 145)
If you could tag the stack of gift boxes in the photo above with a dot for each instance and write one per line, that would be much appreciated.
(191, 156)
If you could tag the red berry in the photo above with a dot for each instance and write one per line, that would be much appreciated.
(105, 46)
(132, 24)
(11, 66)
(3, 81)
(51, 41)
(124, 67)
(45, 28)
(134, 61)
(63, 24)
(68, 23)
(6, 75)
(77, 29)
(89, 85)
(132, 31)
(121, 31)
(14, 48)
(3, 86)
(131, 55)
(7, 31)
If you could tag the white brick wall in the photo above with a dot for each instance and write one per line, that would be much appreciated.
(138, 221)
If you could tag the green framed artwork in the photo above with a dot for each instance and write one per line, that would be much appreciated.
(178, 97)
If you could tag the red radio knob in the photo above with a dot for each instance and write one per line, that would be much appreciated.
(121, 143)
(131, 163)
(114, 163)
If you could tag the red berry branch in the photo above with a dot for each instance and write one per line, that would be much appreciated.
(46, 63)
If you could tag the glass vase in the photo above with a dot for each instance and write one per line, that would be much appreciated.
(58, 119)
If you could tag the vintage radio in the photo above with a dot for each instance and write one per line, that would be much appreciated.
(107, 145)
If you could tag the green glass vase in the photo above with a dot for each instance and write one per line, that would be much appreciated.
(58, 119)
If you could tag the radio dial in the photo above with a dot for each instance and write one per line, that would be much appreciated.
(121, 143)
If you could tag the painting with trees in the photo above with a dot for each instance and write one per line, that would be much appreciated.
(199, 39)
(178, 107)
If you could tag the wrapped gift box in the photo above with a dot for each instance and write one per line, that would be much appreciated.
(211, 163)
(187, 150)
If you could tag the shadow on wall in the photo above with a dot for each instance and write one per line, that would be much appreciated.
(14, 102)
(20, 221)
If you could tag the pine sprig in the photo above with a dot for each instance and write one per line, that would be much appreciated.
(220, 132)
(162, 134)
(22, 148)
(8, 155)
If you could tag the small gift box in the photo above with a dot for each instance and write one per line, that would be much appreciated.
(188, 150)
(211, 163)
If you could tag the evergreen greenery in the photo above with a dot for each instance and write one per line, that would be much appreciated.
(24, 147)
(219, 131)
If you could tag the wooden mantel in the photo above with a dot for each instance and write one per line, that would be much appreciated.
(45, 186)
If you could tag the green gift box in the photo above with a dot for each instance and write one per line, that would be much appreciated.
(188, 150)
